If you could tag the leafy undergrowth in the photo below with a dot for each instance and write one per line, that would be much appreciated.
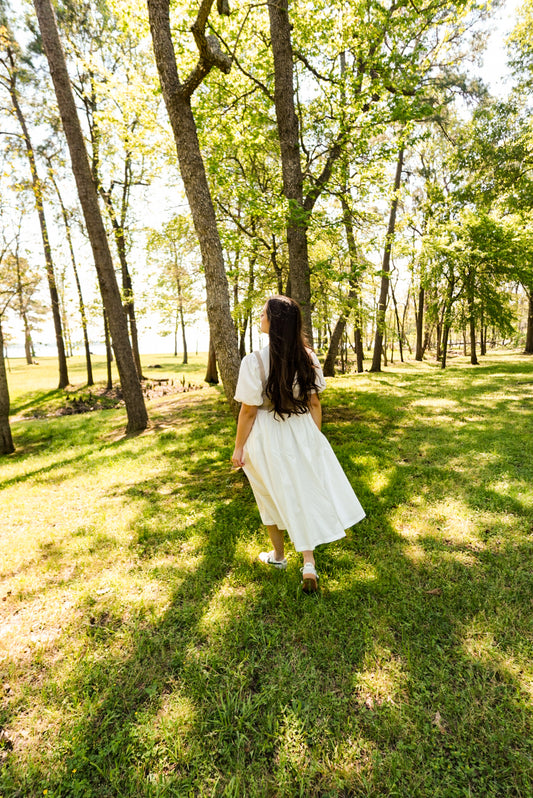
(145, 651)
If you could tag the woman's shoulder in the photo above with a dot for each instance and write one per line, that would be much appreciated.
(263, 353)
(250, 361)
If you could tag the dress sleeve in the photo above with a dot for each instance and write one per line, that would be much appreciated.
(249, 386)
(320, 380)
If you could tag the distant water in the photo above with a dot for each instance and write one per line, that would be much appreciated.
(161, 347)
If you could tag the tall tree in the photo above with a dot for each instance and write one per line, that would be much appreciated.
(10, 80)
(173, 248)
(289, 141)
(385, 267)
(6, 439)
(8, 291)
(129, 379)
(108, 61)
(66, 216)
(177, 95)
(26, 280)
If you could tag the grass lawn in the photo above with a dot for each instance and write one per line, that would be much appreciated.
(145, 652)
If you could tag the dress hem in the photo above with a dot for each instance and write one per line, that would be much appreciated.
(325, 541)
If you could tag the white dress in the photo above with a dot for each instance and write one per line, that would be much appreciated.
(297, 481)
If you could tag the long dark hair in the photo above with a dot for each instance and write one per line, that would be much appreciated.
(289, 358)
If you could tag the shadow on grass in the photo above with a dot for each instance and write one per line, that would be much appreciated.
(404, 677)
(70, 445)
(36, 400)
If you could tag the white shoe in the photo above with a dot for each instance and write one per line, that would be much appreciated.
(309, 578)
(267, 557)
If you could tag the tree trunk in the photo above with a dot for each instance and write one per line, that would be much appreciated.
(6, 440)
(108, 355)
(336, 338)
(419, 319)
(287, 121)
(482, 333)
(385, 269)
(211, 375)
(399, 326)
(182, 322)
(529, 333)
(127, 285)
(177, 98)
(359, 349)
(404, 317)
(473, 354)
(176, 330)
(130, 384)
(28, 344)
(329, 363)
(81, 303)
(444, 344)
(38, 194)
(242, 342)
(278, 271)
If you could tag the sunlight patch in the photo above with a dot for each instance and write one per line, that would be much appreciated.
(380, 480)
(293, 751)
(437, 403)
(383, 682)
(480, 644)
(415, 553)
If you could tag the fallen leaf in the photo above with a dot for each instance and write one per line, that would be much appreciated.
(437, 722)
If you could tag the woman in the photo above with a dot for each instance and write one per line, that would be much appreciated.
(297, 481)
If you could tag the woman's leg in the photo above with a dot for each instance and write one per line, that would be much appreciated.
(278, 541)
(309, 574)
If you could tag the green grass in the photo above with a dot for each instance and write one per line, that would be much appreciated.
(145, 652)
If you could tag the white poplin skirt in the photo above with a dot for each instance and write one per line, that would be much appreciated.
(297, 481)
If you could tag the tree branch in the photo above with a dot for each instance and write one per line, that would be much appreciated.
(255, 80)
(321, 181)
(209, 49)
(241, 227)
(301, 57)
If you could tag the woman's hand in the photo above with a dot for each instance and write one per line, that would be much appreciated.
(245, 423)
(237, 458)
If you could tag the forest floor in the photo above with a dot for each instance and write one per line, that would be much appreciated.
(144, 651)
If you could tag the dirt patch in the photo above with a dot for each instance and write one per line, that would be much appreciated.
(101, 399)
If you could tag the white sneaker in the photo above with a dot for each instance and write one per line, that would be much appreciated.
(309, 578)
(267, 557)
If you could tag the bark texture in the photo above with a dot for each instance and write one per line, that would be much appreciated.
(177, 96)
(87, 191)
